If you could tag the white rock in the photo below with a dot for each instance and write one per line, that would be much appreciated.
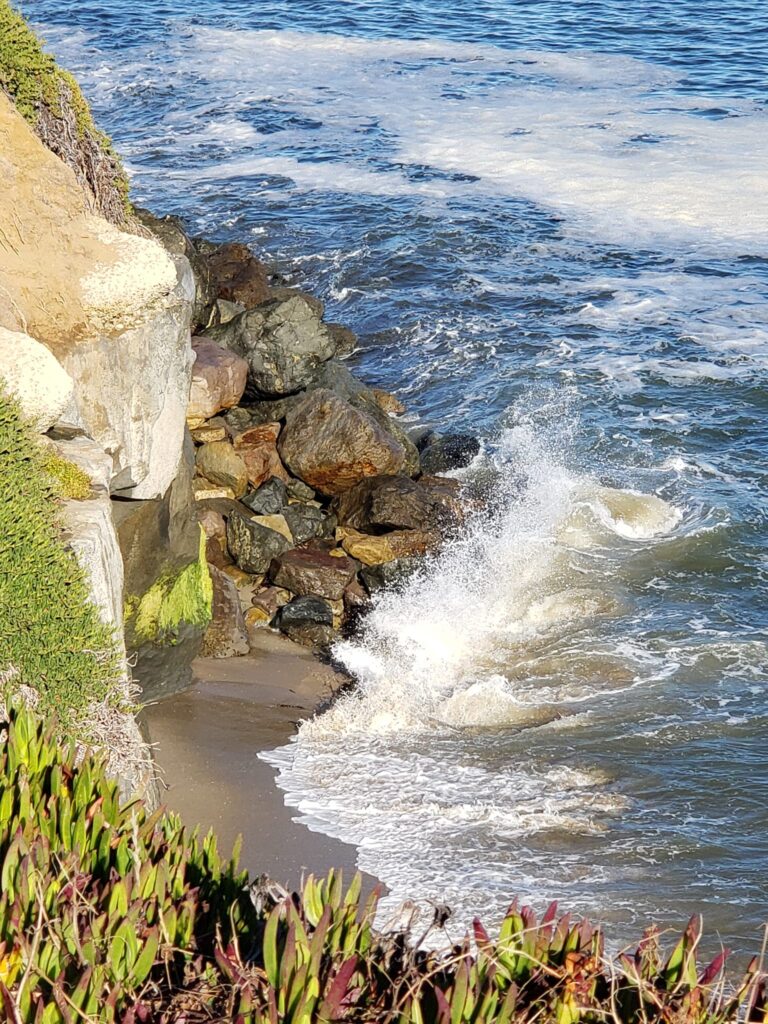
(35, 377)
(132, 390)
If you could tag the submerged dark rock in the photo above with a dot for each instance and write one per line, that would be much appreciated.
(447, 452)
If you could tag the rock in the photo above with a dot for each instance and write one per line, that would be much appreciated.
(307, 621)
(225, 311)
(356, 598)
(204, 490)
(260, 413)
(283, 342)
(270, 599)
(396, 502)
(35, 377)
(258, 434)
(218, 380)
(450, 451)
(247, 585)
(299, 490)
(237, 275)
(282, 293)
(308, 521)
(173, 237)
(331, 445)
(387, 402)
(337, 378)
(212, 523)
(255, 619)
(345, 339)
(226, 636)
(167, 586)
(308, 571)
(213, 430)
(216, 552)
(389, 574)
(149, 360)
(270, 498)
(218, 462)
(253, 541)
(385, 548)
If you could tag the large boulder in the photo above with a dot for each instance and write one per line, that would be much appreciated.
(237, 275)
(331, 445)
(218, 380)
(311, 571)
(441, 453)
(283, 341)
(226, 636)
(253, 541)
(172, 235)
(35, 377)
(396, 502)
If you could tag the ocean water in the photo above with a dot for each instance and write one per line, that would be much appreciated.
(548, 223)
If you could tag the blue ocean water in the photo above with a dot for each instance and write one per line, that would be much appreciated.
(548, 223)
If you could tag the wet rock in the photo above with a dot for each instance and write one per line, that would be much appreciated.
(218, 380)
(396, 502)
(356, 597)
(253, 541)
(226, 636)
(307, 522)
(389, 574)
(307, 621)
(213, 430)
(221, 464)
(387, 402)
(269, 499)
(237, 275)
(450, 451)
(309, 571)
(283, 341)
(346, 340)
(385, 548)
(171, 234)
(331, 445)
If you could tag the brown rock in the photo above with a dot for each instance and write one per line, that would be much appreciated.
(263, 433)
(204, 490)
(355, 597)
(387, 402)
(309, 571)
(331, 445)
(226, 636)
(218, 380)
(261, 463)
(220, 463)
(238, 276)
(270, 599)
(389, 546)
(256, 619)
(216, 553)
(247, 585)
(396, 502)
(213, 523)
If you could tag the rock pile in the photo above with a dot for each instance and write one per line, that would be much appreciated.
(310, 492)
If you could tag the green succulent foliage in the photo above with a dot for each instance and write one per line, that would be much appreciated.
(33, 80)
(68, 480)
(109, 913)
(50, 631)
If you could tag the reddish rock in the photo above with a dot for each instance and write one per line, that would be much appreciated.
(331, 445)
(262, 462)
(238, 275)
(263, 433)
(387, 402)
(218, 380)
(309, 571)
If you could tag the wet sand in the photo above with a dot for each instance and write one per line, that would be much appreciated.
(206, 742)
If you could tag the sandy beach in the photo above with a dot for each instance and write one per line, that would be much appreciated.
(206, 741)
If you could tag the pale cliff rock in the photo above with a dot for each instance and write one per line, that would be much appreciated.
(35, 377)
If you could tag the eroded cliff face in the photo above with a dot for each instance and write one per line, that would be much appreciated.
(95, 345)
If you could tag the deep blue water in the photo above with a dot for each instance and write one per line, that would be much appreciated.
(549, 219)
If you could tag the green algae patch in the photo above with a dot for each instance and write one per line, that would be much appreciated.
(172, 601)
(51, 633)
(50, 100)
(69, 480)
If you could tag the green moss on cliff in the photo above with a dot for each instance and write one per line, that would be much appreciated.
(173, 600)
(50, 631)
(68, 480)
(50, 99)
